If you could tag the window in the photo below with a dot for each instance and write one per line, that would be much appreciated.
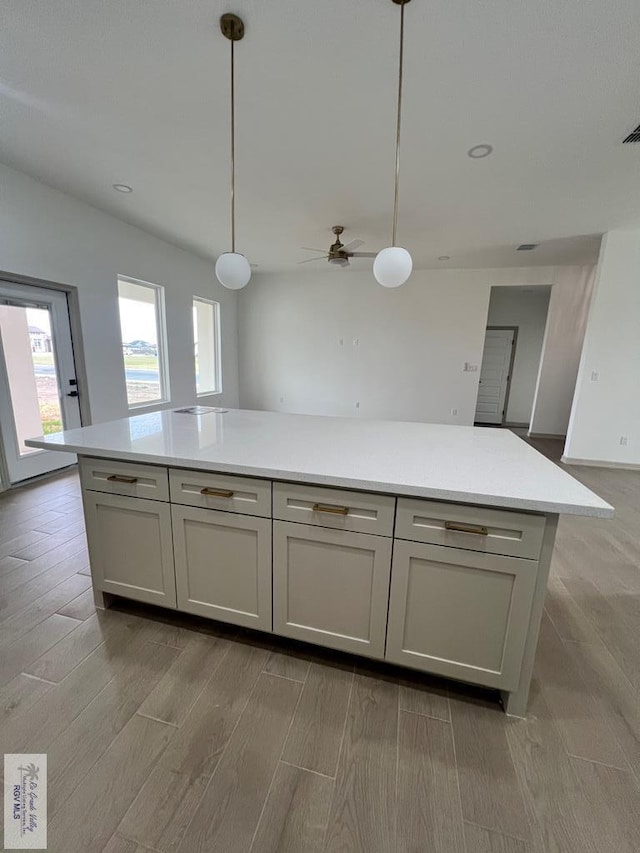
(206, 345)
(142, 327)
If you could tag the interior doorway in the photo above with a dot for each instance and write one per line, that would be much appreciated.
(38, 383)
(516, 324)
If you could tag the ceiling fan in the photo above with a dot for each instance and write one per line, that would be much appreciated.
(339, 253)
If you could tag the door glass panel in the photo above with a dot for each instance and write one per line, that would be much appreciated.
(31, 371)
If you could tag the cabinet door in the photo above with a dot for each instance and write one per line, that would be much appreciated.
(459, 613)
(331, 587)
(223, 565)
(130, 547)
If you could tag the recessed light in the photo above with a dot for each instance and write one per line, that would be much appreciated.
(444, 258)
(123, 188)
(480, 151)
(526, 247)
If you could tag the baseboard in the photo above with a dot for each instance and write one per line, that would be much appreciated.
(48, 475)
(555, 435)
(600, 463)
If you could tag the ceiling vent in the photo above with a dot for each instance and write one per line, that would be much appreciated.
(527, 247)
(634, 136)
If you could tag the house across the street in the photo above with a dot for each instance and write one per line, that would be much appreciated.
(40, 340)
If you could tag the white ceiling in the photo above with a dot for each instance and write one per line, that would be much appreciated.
(94, 93)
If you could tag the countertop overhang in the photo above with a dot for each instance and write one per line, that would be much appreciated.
(474, 465)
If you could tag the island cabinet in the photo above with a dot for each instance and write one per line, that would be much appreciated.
(223, 565)
(331, 587)
(441, 587)
(459, 613)
(461, 608)
(130, 542)
(222, 546)
(331, 566)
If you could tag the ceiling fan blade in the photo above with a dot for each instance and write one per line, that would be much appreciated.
(354, 244)
(309, 249)
(309, 260)
(362, 254)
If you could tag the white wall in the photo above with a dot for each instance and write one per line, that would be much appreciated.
(609, 407)
(412, 343)
(564, 337)
(526, 309)
(49, 235)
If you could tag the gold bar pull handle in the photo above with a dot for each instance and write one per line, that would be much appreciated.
(120, 478)
(477, 529)
(335, 510)
(216, 493)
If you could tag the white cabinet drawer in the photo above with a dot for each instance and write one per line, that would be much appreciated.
(494, 531)
(336, 508)
(225, 492)
(125, 478)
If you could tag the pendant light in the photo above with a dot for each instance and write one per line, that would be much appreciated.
(393, 265)
(233, 269)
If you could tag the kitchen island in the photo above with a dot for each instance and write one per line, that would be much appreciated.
(424, 545)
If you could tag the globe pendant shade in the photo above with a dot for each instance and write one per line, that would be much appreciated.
(233, 270)
(392, 266)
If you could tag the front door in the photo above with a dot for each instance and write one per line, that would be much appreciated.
(494, 376)
(38, 388)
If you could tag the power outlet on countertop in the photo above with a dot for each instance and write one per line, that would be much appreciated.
(624, 441)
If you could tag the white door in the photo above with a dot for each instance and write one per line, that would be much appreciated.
(459, 613)
(223, 565)
(331, 587)
(494, 376)
(130, 547)
(38, 388)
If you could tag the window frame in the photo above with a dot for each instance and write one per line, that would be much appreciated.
(162, 343)
(217, 332)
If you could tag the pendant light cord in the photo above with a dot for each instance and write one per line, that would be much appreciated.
(233, 151)
(399, 119)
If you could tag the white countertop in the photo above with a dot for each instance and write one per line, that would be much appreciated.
(473, 465)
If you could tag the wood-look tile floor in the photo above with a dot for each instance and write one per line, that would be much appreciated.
(167, 733)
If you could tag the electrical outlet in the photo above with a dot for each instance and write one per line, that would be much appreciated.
(282, 399)
(624, 440)
(454, 412)
(470, 368)
(341, 342)
(356, 342)
(357, 405)
(595, 376)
